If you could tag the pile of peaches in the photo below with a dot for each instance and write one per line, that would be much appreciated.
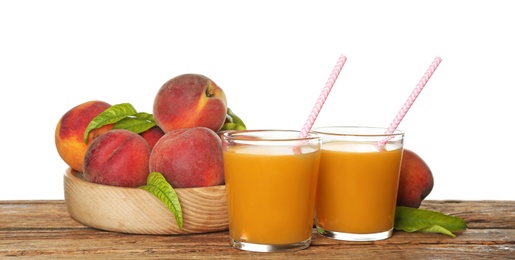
(183, 145)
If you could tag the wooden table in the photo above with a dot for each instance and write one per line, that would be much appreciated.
(43, 229)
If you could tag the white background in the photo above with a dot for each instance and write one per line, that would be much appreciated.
(272, 58)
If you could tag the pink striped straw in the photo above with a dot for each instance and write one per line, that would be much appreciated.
(323, 96)
(411, 99)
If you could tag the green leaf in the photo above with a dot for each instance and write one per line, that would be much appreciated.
(146, 116)
(111, 115)
(437, 229)
(422, 220)
(233, 122)
(232, 126)
(157, 185)
(134, 124)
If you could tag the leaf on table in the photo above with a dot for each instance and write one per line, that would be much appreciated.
(422, 220)
(157, 185)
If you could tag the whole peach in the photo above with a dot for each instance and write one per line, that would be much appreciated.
(190, 100)
(153, 135)
(189, 157)
(415, 180)
(69, 132)
(118, 158)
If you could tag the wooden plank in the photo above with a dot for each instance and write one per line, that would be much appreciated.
(478, 214)
(41, 242)
(35, 214)
(426, 252)
(43, 229)
(90, 238)
(50, 244)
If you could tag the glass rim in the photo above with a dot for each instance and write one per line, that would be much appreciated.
(237, 134)
(320, 131)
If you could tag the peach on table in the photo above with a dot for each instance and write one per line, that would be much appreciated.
(415, 181)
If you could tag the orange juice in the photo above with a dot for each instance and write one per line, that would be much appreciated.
(270, 193)
(357, 187)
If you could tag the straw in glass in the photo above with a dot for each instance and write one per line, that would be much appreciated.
(411, 99)
(323, 96)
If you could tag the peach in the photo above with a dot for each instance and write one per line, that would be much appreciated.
(415, 181)
(152, 135)
(190, 100)
(119, 158)
(69, 132)
(189, 157)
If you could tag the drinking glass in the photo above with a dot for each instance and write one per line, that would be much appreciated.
(358, 182)
(270, 179)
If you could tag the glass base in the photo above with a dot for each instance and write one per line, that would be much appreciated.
(353, 236)
(270, 248)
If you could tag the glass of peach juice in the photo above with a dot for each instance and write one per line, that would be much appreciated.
(270, 180)
(358, 182)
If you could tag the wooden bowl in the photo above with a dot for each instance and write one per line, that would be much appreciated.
(133, 210)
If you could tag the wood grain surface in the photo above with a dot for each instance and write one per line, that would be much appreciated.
(45, 230)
